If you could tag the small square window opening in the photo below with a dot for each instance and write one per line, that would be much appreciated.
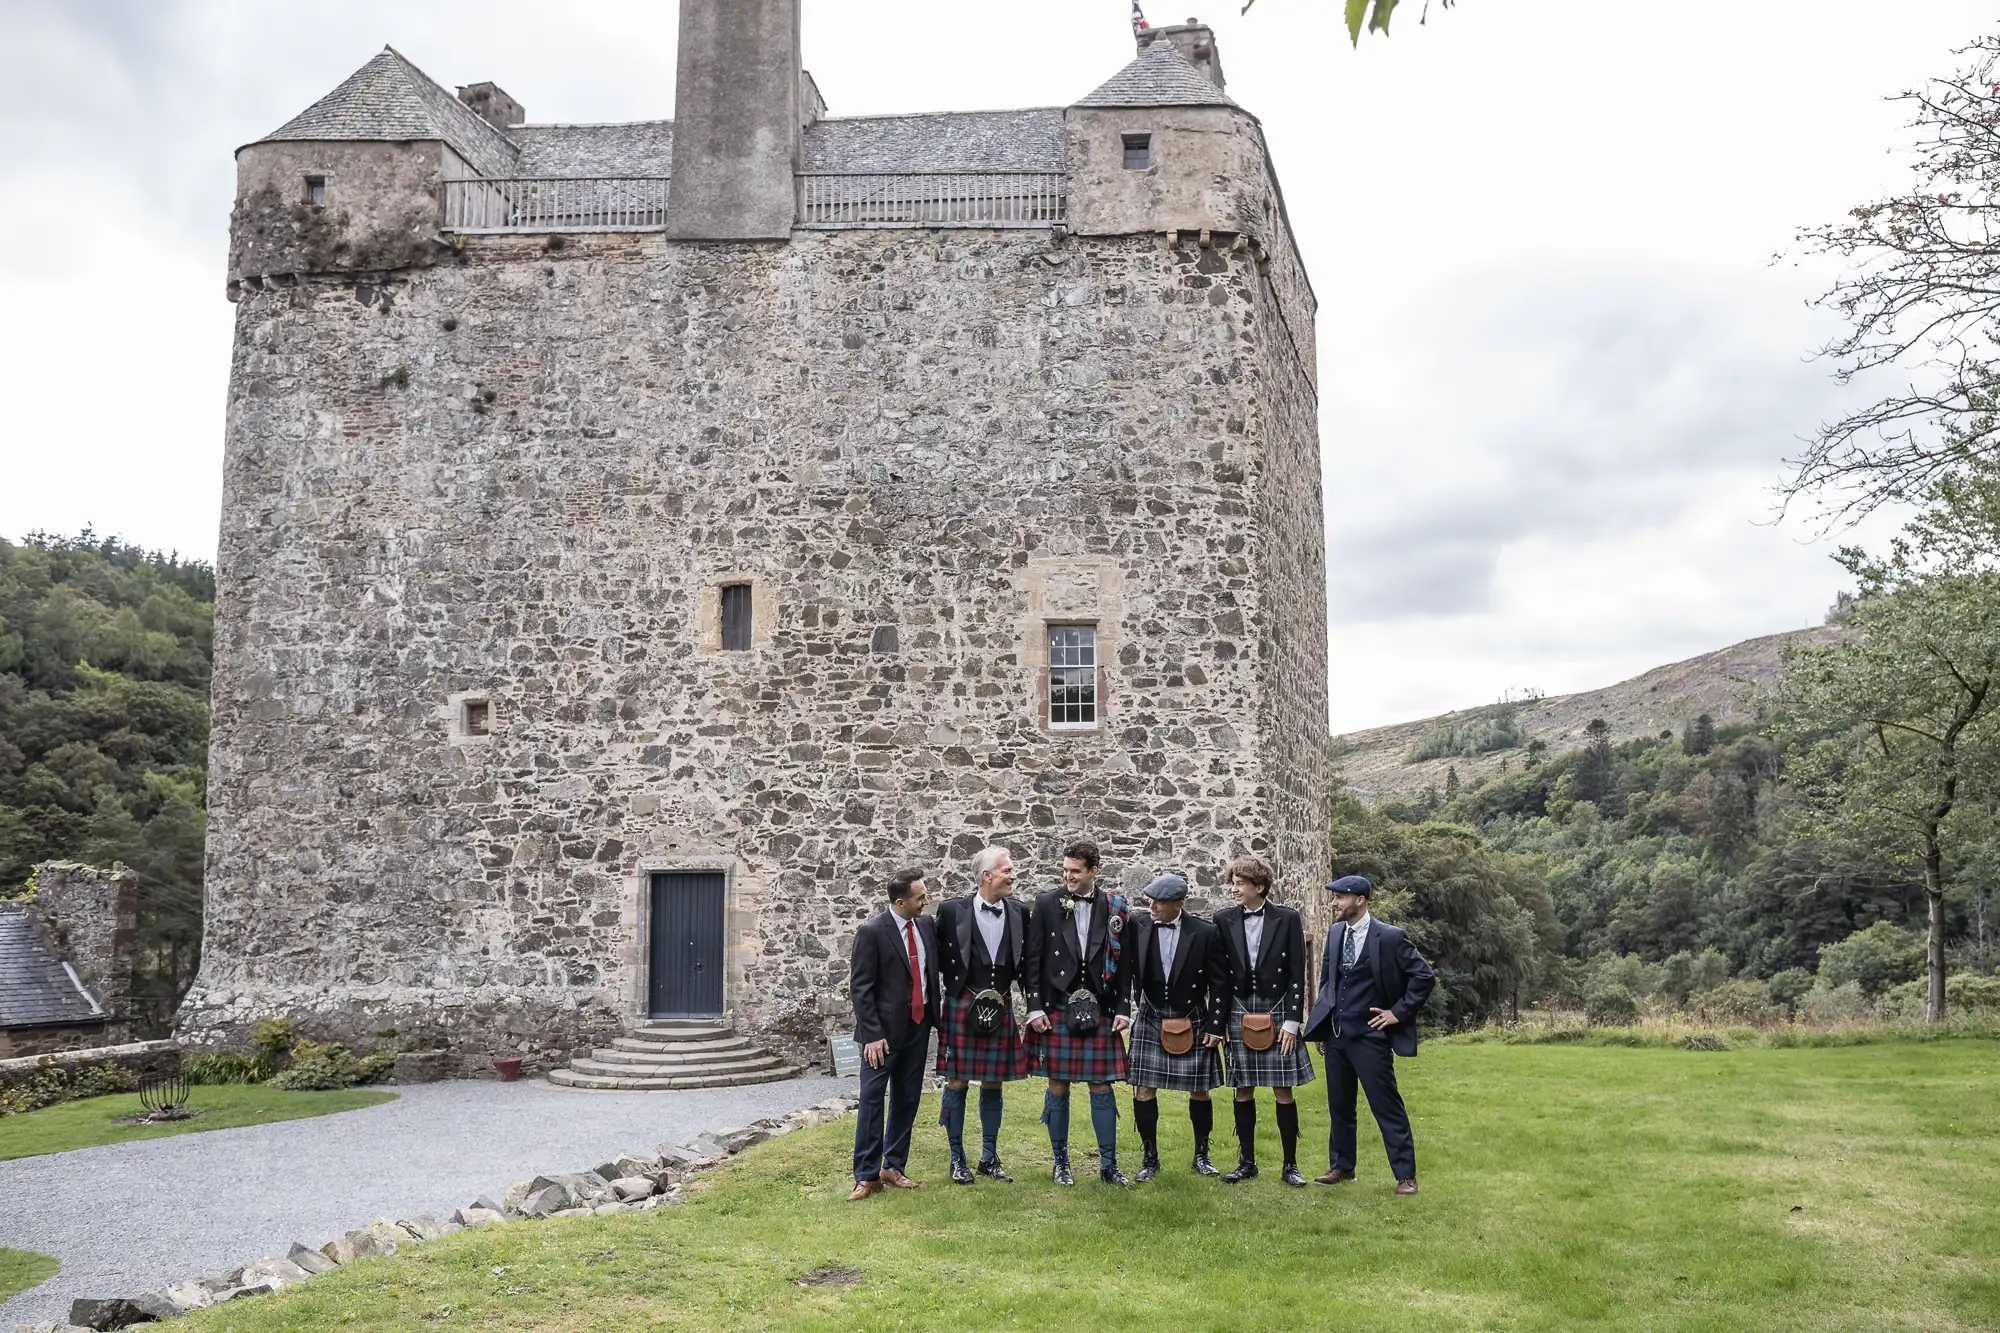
(316, 191)
(736, 618)
(478, 717)
(1072, 677)
(1138, 152)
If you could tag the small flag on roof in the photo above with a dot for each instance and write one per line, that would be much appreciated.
(1139, 23)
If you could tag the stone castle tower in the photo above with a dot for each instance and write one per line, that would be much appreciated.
(641, 539)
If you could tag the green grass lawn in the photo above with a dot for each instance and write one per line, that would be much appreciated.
(20, 1269)
(1838, 1189)
(92, 1121)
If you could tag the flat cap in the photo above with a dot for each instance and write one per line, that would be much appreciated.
(1167, 889)
(1352, 884)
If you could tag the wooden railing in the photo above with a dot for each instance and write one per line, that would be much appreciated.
(827, 200)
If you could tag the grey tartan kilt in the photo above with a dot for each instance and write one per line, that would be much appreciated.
(1197, 1071)
(1264, 1069)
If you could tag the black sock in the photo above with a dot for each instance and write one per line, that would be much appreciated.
(1246, 1130)
(1288, 1130)
(1146, 1115)
(1202, 1114)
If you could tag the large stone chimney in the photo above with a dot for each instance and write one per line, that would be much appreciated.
(493, 105)
(1195, 41)
(737, 116)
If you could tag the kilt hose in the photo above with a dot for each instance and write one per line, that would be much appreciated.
(1197, 1071)
(1098, 1058)
(1264, 1069)
(963, 1053)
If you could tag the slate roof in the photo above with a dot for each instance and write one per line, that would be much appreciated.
(391, 99)
(1161, 76)
(35, 988)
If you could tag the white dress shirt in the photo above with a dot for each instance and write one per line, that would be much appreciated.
(1359, 930)
(1169, 933)
(1080, 913)
(992, 929)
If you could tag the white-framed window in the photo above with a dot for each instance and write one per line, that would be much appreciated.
(1138, 151)
(1072, 677)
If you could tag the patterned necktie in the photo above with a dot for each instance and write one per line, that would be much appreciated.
(916, 973)
(1347, 949)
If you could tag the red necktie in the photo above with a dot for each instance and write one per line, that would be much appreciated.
(916, 974)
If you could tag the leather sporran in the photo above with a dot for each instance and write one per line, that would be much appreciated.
(1177, 1035)
(1260, 1032)
(989, 1010)
(1080, 1013)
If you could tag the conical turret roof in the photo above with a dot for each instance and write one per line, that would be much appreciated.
(1161, 76)
(391, 100)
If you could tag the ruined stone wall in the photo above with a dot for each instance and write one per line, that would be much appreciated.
(521, 480)
(90, 919)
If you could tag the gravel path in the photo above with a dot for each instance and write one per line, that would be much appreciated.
(136, 1216)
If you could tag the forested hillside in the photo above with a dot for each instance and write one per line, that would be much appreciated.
(1659, 867)
(104, 669)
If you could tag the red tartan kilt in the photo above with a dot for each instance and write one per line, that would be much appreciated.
(963, 1053)
(1098, 1058)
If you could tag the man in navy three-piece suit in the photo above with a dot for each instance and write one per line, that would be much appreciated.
(1372, 982)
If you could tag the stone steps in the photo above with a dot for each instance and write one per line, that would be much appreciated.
(566, 1078)
(673, 1053)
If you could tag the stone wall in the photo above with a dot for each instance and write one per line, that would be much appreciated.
(90, 920)
(382, 208)
(141, 1057)
(521, 480)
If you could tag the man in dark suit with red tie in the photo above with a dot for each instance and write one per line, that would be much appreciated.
(893, 980)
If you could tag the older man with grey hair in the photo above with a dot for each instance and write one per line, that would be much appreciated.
(985, 950)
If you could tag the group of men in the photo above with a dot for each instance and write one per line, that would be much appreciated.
(1094, 975)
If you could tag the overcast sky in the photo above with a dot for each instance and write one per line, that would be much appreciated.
(1558, 370)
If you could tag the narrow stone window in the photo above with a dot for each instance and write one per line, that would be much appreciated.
(316, 191)
(1138, 152)
(478, 717)
(736, 618)
(1072, 677)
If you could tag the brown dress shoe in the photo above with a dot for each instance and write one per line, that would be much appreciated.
(897, 1180)
(1406, 1187)
(1334, 1177)
(864, 1188)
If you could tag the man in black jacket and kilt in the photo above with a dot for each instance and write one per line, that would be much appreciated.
(984, 951)
(1267, 950)
(1077, 999)
(1180, 993)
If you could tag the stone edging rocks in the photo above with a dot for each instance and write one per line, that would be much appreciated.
(628, 1182)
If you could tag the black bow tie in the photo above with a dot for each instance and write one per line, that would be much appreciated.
(1250, 915)
(994, 909)
(1078, 897)
(1166, 925)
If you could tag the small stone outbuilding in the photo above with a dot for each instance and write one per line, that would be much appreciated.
(66, 960)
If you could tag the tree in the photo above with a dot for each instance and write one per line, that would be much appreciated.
(1920, 299)
(1372, 15)
(1896, 728)
(1698, 738)
(1594, 775)
(1451, 782)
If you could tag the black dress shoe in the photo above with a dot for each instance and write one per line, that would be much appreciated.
(990, 1166)
(1204, 1167)
(1148, 1169)
(1111, 1175)
(961, 1174)
(1245, 1170)
(1061, 1174)
(1291, 1176)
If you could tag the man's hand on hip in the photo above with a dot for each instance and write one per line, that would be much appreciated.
(1384, 1018)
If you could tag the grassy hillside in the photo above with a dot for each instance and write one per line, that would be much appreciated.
(1377, 762)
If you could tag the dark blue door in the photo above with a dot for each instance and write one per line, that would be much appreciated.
(686, 979)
